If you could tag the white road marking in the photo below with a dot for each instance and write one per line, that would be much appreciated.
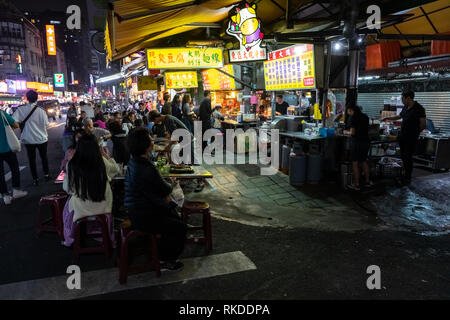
(55, 125)
(8, 176)
(106, 281)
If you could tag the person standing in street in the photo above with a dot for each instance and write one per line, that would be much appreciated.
(359, 130)
(176, 107)
(6, 155)
(34, 134)
(167, 108)
(87, 108)
(413, 122)
(188, 114)
(205, 112)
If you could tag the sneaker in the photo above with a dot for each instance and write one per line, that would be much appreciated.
(7, 199)
(35, 182)
(19, 193)
(172, 266)
(354, 187)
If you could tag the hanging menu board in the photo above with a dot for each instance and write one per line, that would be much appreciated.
(184, 58)
(181, 80)
(290, 68)
(216, 80)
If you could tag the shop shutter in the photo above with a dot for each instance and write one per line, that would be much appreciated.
(436, 104)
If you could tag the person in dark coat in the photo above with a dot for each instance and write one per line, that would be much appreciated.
(205, 113)
(167, 108)
(147, 197)
(121, 154)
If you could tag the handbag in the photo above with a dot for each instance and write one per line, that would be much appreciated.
(11, 137)
(178, 195)
(22, 124)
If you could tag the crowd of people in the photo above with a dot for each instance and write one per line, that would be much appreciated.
(89, 166)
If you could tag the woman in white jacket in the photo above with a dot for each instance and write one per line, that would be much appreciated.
(89, 173)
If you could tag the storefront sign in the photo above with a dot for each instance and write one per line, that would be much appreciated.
(146, 83)
(40, 87)
(245, 26)
(215, 80)
(181, 80)
(290, 68)
(59, 80)
(21, 85)
(3, 86)
(184, 58)
(11, 86)
(51, 44)
(58, 93)
(253, 54)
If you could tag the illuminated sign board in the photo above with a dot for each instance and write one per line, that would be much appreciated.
(146, 83)
(59, 80)
(181, 80)
(290, 68)
(184, 58)
(40, 87)
(21, 85)
(245, 26)
(51, 44)
(253, 54)
(3, 86)
(216, 80)
(58, 93)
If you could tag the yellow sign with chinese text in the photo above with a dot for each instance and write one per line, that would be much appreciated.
(51, 44)
(146, 83)
(40, 87)
(184, 58)
(216, 80)
(290, 68)
(181, 80)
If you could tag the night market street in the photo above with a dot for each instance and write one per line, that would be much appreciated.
(224, 159)
(321, 251)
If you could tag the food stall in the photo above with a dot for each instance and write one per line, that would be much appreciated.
(225, 91)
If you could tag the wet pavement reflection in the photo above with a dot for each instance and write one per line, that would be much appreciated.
(423, 207)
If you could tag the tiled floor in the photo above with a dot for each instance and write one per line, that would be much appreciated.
(274, 189)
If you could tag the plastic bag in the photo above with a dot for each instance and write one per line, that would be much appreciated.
(11, 137)
(177, 195)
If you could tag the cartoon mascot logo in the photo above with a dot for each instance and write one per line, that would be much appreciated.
(245, 26)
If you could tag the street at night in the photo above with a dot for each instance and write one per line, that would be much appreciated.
(218, 151)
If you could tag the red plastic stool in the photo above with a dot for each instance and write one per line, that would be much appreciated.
(150, 247)
(81, 234)
(55, 223)
(196, 207)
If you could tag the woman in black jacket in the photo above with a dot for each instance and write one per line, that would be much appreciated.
(119, 140)
(147, 197)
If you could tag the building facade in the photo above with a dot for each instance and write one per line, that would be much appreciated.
(21, 47)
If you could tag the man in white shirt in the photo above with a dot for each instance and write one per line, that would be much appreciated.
(34, 135)
(88, 109)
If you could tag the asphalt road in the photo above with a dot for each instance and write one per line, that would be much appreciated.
(296, 263)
